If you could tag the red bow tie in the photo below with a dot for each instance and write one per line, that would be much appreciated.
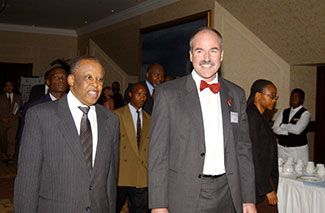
(213, 87)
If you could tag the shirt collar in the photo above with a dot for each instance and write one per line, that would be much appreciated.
(52, 97)
(296, 109)
(133, 109)
(74, 101)
(198, 79)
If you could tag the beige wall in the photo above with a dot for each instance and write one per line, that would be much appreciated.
(38, 49)
(247, 58)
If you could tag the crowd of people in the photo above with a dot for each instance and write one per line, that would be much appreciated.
(192, 144)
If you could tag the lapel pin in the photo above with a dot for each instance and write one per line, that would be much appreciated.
(229, 102)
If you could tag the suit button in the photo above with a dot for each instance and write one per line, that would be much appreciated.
(88, 209)
(91, 187)
(202, 154)
(200, 175)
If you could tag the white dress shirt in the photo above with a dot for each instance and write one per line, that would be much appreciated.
(135, 117)
(52, 97)
(150, 87)
(11, 95)
(213, 128)
(74, 103)
(299, 127)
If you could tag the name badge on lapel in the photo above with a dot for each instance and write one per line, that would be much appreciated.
(234, 117)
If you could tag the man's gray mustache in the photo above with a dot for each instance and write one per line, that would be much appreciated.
(207, 63)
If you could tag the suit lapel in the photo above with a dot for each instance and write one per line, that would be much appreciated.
(69, 131)
(193, 107)
(225, 100)
(128, 123)
(104, 131)
(144, 132)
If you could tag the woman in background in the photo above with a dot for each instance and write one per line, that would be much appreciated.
(106, 98)
(264, 146)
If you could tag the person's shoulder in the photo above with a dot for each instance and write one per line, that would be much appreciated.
(174, 84)
(120, 110)
(230, 84)
(146, 114)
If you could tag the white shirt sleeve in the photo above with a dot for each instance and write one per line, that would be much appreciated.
(277, 127)
(300, 126)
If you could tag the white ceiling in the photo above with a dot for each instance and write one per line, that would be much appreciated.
(79, 16)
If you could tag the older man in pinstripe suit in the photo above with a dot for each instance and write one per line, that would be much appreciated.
(55, 171)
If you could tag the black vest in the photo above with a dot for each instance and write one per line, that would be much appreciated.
(293, 140)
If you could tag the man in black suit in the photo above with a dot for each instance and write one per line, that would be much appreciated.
(154, 77)
(68, 159)
(56, 80)
(39, 90)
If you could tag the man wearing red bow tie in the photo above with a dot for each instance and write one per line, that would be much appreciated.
(200, 156)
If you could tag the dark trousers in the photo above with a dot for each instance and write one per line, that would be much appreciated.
(215, 196)
(137, 199)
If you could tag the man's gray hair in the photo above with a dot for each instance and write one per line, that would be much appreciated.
(206, 28)
(75, 63)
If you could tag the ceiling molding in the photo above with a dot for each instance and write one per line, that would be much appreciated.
(42, 30)
(139, 9)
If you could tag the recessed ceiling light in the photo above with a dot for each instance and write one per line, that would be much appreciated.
(112, 11)
(86, 22)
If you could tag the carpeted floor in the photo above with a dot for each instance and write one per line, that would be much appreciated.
(7, 177)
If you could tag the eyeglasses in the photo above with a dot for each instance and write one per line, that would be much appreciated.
(271, 96)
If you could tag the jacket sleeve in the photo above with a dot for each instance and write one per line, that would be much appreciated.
(27, 182)
(158, 154)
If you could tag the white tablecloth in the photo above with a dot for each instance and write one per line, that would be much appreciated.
(294, 196)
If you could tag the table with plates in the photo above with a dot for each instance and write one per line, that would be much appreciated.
(295, 195)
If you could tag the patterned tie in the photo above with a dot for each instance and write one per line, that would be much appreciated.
(153, 93)
(213, 87)
(138, 128)
(9, 101)
(86, 137)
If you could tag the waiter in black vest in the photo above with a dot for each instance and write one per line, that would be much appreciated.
(291, 128)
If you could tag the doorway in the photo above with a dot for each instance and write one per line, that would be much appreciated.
(320, 116)
(13, 72)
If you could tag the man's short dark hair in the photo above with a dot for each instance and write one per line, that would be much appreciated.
(151, 65)
(75, 63)
(137, 84)
(299, 91)
(48, 73)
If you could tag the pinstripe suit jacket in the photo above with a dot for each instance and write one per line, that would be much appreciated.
(52, 172)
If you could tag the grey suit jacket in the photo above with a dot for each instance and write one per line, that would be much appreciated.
(52, 172)
(177, 146)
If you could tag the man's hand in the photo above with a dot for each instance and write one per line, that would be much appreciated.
(272, 198)
(249, 208)
(160, 210)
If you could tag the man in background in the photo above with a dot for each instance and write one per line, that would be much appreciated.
(154, 77)
(291, 128)
(117, 96)
(10, 105)
(68, 158)
(56, 81)
(134, 141)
